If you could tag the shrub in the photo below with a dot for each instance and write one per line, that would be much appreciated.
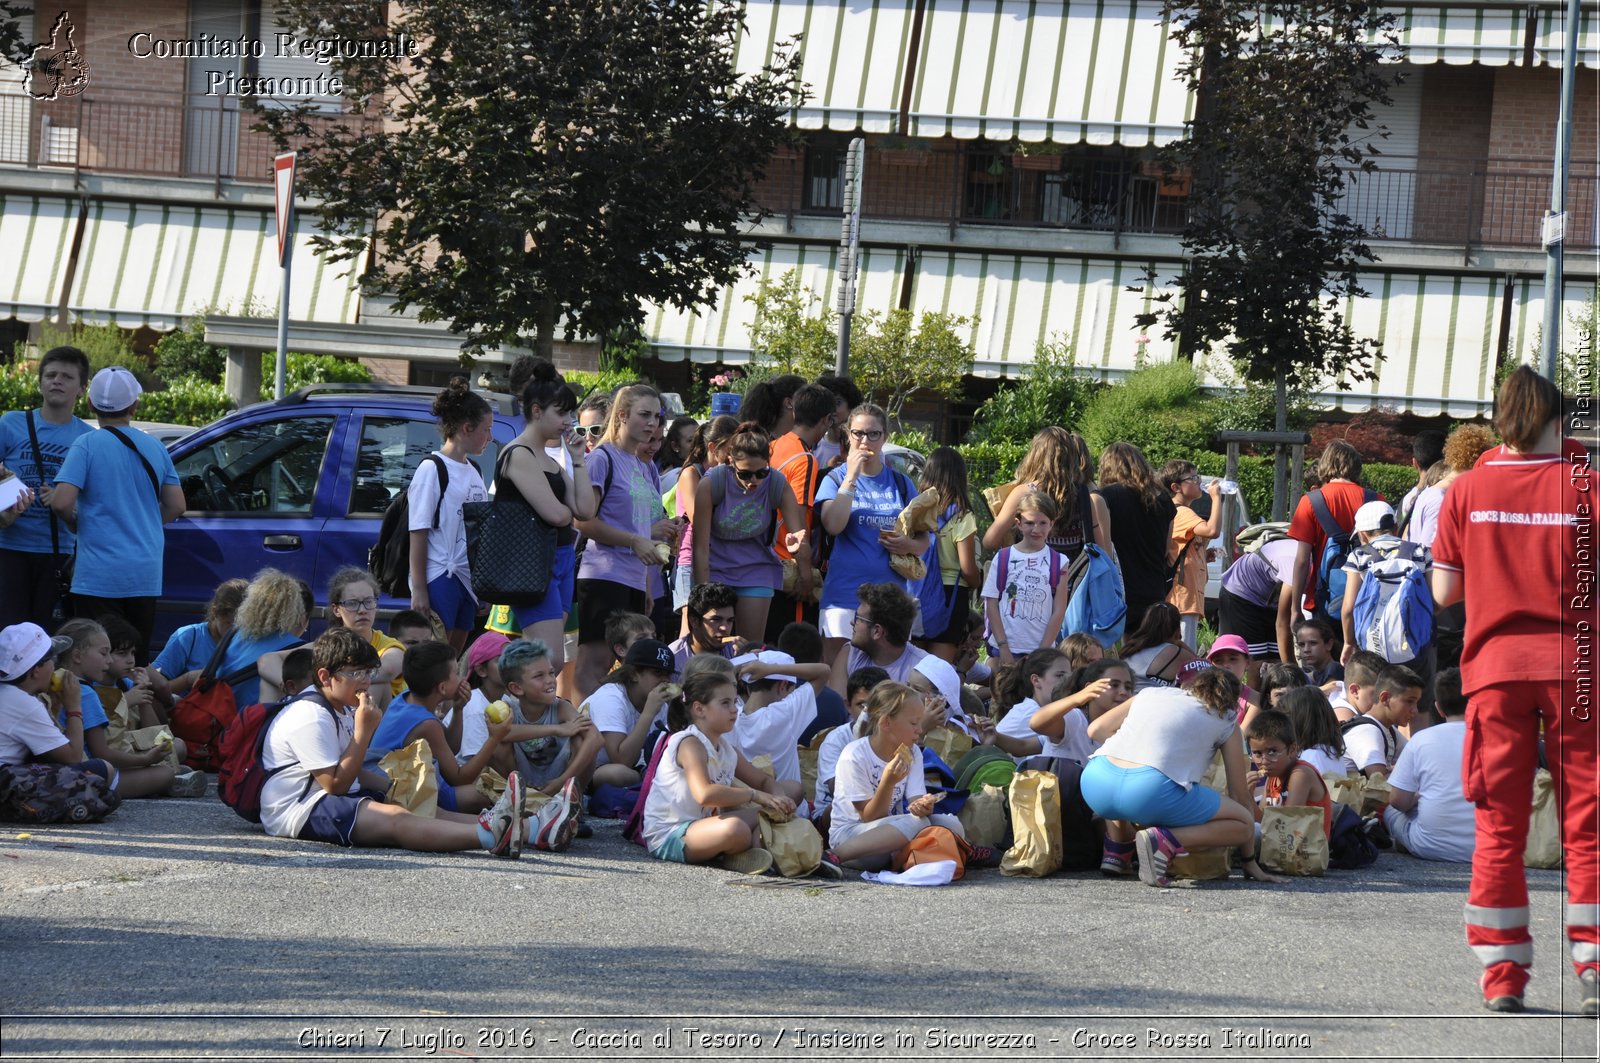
(1051, 393)
(1255, 479)
(1160, 409)
(793, 330)
(106, 345)
(1390, 481)
(19, 387)
(585, 383)
(187, 401)
(914, 439)
(305, 369)
(184, 353)
(1375, 433)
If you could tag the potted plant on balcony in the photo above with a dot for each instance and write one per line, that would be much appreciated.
(903, 151)
(1043, 157)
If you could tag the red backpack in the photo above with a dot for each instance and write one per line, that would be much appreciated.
(241, 774)
(201, 715)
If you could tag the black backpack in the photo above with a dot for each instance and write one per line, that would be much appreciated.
(390, 557)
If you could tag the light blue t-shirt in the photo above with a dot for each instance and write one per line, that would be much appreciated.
(94, 713)
(31, 532)
(857, 556)
(120, 538)
(191, 647)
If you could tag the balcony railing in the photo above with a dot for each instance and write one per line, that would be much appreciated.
(207, 137)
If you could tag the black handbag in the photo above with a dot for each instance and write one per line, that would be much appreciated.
(510, 551)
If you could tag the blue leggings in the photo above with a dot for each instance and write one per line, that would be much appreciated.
(1145, 796)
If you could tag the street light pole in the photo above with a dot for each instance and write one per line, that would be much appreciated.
(1554, 235)
(855, 165)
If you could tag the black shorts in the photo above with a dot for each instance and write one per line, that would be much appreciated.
(596, 599)
(1256, 624)
(955, 632)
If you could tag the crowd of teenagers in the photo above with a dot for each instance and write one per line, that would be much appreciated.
(760, 618)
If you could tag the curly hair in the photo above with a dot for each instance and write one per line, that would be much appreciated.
(1125, 464)
(1464, 446)
(272, 606)
(1218, 690)
(458, 407)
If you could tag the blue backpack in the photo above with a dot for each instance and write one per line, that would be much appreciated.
(938, 600)
(1393, 612)
(1097, 605)
(1329, 592)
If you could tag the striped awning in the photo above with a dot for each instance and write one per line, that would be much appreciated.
(722, 333)
(36, 235)
(154, 265)
(1493, 36)
(852, 57)
(1103, 72)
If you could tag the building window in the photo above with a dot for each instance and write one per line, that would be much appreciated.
(988, 195)
(823, 188)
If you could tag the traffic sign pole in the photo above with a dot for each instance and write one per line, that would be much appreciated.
(283, 200)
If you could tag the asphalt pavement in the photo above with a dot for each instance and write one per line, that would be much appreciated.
(175, 930)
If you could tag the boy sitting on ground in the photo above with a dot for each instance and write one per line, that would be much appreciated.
(1428, 816)
(316, 788)
(1372, 741)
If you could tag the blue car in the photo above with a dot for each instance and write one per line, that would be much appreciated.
(299, 485)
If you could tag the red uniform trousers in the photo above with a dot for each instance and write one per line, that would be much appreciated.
(1497, 769)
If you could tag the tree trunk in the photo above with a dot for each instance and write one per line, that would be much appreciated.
(1280, 461)
(544, 340)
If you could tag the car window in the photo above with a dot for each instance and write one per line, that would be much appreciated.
(265, 467)
(391, 449)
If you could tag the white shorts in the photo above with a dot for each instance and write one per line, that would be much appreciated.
(836, 622)
(908, 825)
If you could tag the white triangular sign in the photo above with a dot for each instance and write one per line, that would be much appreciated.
(283, 198)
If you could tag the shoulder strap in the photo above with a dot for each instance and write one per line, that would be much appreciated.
(1154, 672)
(1055, 568)
(611, 466)
(38, 467)
(1324, 515)
(1086, 507)
(155, 481)
(718, 483)
(209, 672)
(903, 483)
(1003, 559)
(444, 485)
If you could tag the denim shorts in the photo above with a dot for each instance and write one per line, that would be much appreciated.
(672, 848)
(557, 601)
(1145, 796)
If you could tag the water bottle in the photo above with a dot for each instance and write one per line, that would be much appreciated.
(1230, 487)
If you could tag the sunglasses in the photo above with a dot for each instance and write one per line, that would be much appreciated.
(595, 430)
(751, 476)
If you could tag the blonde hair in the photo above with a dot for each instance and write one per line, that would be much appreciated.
(1464, 446)
(79, 631)
(887, 700)
(1058, 463)
(622, 405)
(1038, 502)
(272, 605)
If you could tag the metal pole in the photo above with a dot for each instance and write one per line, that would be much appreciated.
(1555, 222)
(855, 165)
(280, 379)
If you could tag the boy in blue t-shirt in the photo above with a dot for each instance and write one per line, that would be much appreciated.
(30, 555)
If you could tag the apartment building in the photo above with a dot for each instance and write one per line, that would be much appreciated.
(1010, 178)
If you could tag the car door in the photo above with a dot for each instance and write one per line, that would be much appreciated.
(253, 486)
(378, 455)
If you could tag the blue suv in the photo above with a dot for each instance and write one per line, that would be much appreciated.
(300, 485)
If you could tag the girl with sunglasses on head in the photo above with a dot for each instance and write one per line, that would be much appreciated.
(734, 546)
(709, 449)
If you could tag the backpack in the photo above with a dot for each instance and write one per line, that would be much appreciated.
(1349, 846)
(1329, 592)
(54, 793)
(203, 714)
(1393, 611)
(390, 557)
(1250, 540)
(931, 845)
(582, 540)
(1096, 604)
(633, 828)
(243, 774)
(938, 600)
(984, 765)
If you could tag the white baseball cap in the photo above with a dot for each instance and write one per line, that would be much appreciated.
(114, 388)
(1372, 516)
(23, 646)
(767, 657)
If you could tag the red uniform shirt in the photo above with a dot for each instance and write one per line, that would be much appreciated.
(1344, 498)
(1515, 528)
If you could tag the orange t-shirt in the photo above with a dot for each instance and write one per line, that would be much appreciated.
(804, 472)
(1189, 588)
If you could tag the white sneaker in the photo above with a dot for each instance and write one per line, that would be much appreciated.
(504, 820)
(556, 821)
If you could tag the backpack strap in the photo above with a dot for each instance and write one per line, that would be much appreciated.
(1055, 568)
(718, 483)
(208, 674)
(1003, 560)
(444, 485)
(38, 467)
(1154, 672)
(1324, 515)
(155, 481)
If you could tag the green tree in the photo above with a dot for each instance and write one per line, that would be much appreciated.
(792, 332)
(1051, 393)
(540, 161)
(1284, 124)
(892, 355)
(184, 353)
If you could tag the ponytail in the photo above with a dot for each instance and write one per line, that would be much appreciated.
(1013, 683)
(701, 688)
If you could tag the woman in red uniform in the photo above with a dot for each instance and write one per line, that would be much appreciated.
(1516, 539)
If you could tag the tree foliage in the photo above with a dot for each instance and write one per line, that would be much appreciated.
(792, 332)
(1286, 113)
(1051, 393)
(894, 354)
(540, 162)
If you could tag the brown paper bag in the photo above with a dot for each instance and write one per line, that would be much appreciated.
(1216, 776)
(412, 783)
(996, 496)
(791, 573)
(1344, 789)
(983, 817)
(1199, 865)
(950, 744)
(920, 515)
(795, 845)
(1544, 825)
(1037, 850)
(1375, 793)
(1293, 840)
(808, 772)
(145, 739)
(491, 784)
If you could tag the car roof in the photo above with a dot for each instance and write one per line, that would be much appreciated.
(398, 394)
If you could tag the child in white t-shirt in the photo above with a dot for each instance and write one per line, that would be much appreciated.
(1026, 612)
(1022, 686)
(440, 578)
(1316, 728)
(859, 689)
(694, 813)
(1062, 724)
(1427, 813)
(1373, 740)
(881, 799)
(781, 704)
(318, 790)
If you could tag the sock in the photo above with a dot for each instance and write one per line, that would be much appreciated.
(485, 835)
(1119, 848)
